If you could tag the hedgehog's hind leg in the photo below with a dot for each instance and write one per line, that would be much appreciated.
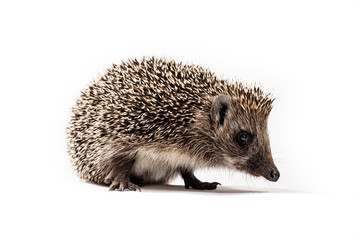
(118, 162)
(191, 181)
(118, 180)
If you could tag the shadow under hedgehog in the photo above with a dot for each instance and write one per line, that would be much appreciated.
(147, 121)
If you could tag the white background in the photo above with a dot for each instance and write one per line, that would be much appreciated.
(306, 52)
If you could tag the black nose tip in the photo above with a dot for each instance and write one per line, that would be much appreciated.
(273, 174)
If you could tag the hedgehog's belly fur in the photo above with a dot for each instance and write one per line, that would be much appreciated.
(154, 165)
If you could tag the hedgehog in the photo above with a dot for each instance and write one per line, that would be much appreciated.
(148, 121)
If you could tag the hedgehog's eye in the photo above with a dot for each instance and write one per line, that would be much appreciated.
(243, 138)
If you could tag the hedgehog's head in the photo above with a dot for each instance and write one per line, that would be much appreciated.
(240, 132)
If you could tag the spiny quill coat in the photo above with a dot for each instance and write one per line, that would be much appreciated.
(148, 121)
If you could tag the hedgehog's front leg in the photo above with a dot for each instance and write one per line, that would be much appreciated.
(191, 181)
(119, 163)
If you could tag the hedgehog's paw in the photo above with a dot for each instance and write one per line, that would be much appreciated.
(202, 185)
(211, 186)
(121, 185)
(132, 186)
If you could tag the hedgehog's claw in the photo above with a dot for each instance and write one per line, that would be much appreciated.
(211, 186)
(113, 186)
(121, 186)
(133, 187)
(107, 181)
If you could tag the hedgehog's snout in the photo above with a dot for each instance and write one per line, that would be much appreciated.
(272, 174)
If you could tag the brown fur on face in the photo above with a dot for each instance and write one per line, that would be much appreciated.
(227, 118)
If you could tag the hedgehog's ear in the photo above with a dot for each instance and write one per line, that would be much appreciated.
(219, 109)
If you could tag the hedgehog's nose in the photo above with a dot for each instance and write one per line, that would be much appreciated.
(273, 174)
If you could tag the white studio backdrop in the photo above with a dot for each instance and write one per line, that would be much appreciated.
(305, 52)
